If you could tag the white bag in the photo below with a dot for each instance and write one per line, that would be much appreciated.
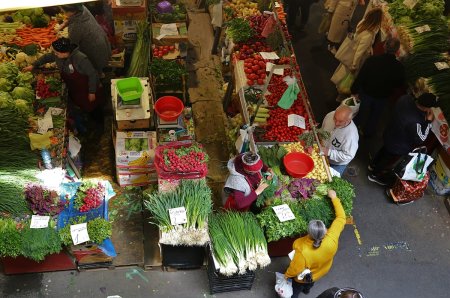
(416, 168)
(283, 287)
(353, 104)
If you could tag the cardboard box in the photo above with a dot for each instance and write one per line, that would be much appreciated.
(129, 12)
(135, 149)
(125, 31)
(136, 179)
(437, 185)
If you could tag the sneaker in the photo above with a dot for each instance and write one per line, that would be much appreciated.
(373, 178)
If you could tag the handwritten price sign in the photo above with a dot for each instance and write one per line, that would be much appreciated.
(79, 233)
(39, 222)
(283, 212)
(178, 216)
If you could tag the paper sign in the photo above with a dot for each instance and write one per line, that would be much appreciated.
(422, 29)
(277, 4)
(54, 111)
(291, 254)
(269, 55)
(45, 124)
(39, 222)
(79, 233)
(410, 3)
(74, 146)
(283, 212)
(168, 29)
(177, 216)
(278, 71)
(296, 120)
(161, 36)
(441, 65)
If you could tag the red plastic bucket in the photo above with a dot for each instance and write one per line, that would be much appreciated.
(169, 108)
(298, 164)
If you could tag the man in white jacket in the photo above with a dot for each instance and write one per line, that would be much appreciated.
(342, 145)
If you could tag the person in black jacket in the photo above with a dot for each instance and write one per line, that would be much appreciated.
(341, 293)
(378, 78)
(407, 130)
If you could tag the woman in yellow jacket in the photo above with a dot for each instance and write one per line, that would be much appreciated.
(316, 251)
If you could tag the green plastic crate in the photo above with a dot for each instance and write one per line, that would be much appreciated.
(130, 90)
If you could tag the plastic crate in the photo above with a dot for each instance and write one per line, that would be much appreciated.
(130, 90)
(219, 283)
(182, 257)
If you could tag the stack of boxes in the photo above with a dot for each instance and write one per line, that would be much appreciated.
(440, 173)
(125, 15)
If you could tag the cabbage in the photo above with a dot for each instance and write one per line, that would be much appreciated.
(5, 85)
(23, 93)
(5, 99)
(24, 79)
(9, 71)
(23, 107)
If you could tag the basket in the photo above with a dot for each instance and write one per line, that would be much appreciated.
(130, 90)
(182, 257)
(169, 108)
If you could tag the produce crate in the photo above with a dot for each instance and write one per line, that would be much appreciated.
(129, 12)
(178, 86)
(169, 39)
(117, 60)
(182, 257)
(219, 283)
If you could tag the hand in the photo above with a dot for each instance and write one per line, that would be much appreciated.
(356, 96)
(270, 171)
(91, 97)
(332, 194)
(261, 188)
(28, 68)
(352, 69)
(430, 115)
(326, 151)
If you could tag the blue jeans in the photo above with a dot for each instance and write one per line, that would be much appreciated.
(339, 168)
(370, 111)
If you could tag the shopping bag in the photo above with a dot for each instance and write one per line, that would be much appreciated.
(346, 51)
(290, 94)
(325, 23)
(345, 85)
(283, 287)
(403, 192)
(414, 166)
(353, 104)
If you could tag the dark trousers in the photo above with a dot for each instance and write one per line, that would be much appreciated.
(293, 6)
(383, 165)
(300, 287)
(370, 111)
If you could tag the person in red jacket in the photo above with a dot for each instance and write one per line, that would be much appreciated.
(245, 181)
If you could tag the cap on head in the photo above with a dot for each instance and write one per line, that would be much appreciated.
(427, 100)
(252, 162)
(63, 45)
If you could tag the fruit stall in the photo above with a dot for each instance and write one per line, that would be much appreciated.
(424, 33)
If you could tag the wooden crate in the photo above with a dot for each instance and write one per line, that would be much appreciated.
(171, 39)
(134, 124)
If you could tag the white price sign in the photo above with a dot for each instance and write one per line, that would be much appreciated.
(269, 55)
(283, 212)
(441, 65)
(39, 222)
(422, 29)
(296, 120)
(79, 233)
(178, 216)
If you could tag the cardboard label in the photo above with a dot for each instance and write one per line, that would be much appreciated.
(278, 71)
(441, 65)
(45, 123)
(39, 222)
(269, 55)
(283, 212)
(79, 233)
(178, 216)
(422, 29)
(296, 120)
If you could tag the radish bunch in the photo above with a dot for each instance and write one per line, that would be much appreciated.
(185, 159)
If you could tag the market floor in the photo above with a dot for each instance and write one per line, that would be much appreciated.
(390, 251)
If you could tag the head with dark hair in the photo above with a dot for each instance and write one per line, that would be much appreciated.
(348, 293)
(427, 100)
(391, 45)
(317, 230)
(71, 9)
(63, 47)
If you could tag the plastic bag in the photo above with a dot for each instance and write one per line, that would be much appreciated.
(325, 23)
(287, 100)
(416, 168)
(353, 104)
(269, 27)
(344, 86)
(283, 287)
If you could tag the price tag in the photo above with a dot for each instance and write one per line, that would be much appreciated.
(45, 123)
(278, 71)
(39, 222)
(410, 3)
(283, 212)
(441, 65)
(422, 29)
(79, 233)
(177, 216)
(169, 29)
(296, 120)
(277, 4)
(54, 111)
(269, 55)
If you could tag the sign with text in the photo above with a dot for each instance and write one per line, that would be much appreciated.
(283, 212)
(39, 222)
(178, 216)
(296, 120)
(79, 233)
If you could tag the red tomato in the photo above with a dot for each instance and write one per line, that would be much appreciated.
(250, 82)
(262, 76)
(255, 67)
(248, 70)
(262, 64)
(260, 82)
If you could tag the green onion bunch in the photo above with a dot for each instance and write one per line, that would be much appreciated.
(237, 242)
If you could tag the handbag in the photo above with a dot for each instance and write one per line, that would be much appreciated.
(345, 84)
(414, 166)
(346, 51)
(325, 23)
(403, 191)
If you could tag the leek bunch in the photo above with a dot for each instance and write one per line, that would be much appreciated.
(238, 242)
(195, 197)
(141, 52)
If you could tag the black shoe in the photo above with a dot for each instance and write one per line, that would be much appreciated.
(373, 178)
(305, 291)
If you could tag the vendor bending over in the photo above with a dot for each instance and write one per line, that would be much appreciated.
(245, 181)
